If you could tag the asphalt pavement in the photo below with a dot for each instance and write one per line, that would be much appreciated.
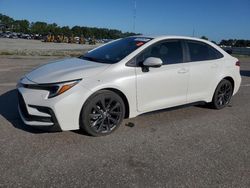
(185, 147)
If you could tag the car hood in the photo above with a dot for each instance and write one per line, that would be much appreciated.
(64, 70)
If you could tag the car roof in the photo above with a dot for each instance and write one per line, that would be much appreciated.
(165, 37)
(162, 37)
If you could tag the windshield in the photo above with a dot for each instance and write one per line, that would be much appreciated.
(115, 51)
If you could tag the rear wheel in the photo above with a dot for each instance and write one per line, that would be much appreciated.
(102, 113)
(222, 95)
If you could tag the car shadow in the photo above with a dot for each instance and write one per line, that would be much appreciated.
(245, 73)
(9, 110)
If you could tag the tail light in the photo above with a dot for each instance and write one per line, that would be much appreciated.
(237, 63)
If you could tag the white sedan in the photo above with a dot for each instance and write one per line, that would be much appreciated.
(126, 78)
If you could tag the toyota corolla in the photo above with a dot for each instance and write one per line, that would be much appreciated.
(125, 78)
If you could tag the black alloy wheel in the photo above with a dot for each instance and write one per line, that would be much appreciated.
(223, 94)
(102, 113)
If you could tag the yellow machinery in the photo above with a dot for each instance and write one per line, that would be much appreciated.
(92, 41)
(82, 40)
(71, 39)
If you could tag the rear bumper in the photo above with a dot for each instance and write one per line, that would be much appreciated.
(237, 83)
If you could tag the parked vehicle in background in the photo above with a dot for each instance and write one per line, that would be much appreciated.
(126, 78)
(6, 34)
(13, 35)
(25, 36)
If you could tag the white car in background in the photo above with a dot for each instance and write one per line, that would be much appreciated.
(126, 78)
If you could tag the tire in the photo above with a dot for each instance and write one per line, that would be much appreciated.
(102, 113)
(222, 95)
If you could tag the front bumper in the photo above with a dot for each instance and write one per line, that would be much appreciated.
(46, 122)
(59, 113)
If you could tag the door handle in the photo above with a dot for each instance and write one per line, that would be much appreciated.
(183, 71)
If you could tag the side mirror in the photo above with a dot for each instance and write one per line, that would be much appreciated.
(153, 62)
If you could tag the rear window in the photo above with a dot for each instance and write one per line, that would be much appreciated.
(201, 52)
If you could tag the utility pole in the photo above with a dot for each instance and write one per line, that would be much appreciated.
(193, 32)
(134, 16)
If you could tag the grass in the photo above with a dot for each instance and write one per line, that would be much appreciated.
(68, 53)
(7, 53)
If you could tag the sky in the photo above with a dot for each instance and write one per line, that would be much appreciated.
(216, 19)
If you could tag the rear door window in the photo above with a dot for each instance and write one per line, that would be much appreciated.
(201, 52)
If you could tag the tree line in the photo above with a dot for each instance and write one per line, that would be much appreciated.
(43, 28)
(235, 43)
(231, 42)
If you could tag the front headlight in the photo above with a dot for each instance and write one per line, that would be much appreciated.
(59, 88)
(54, 89)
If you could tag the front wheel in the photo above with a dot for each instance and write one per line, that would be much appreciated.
(102, 113)
(222, 95)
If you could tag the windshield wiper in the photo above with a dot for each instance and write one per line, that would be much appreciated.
(89, 58)
(97, 60)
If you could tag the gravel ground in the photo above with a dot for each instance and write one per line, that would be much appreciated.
(36, 47)
(186, 147)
